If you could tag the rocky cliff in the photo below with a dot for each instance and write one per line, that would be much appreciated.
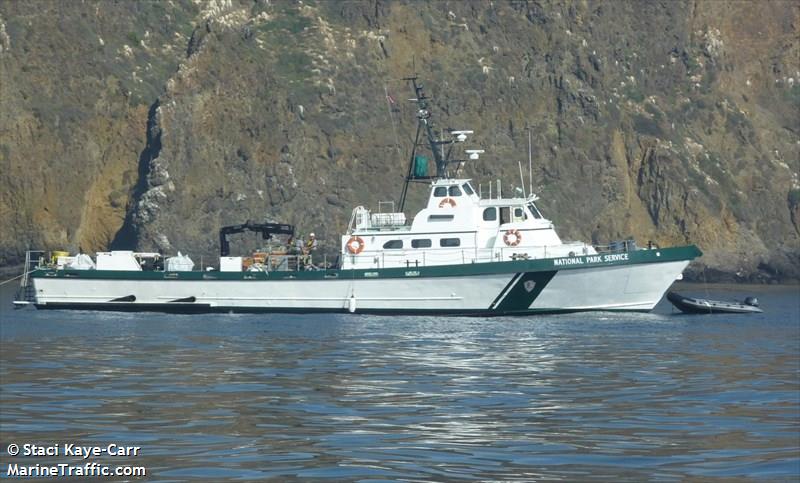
(152, 124)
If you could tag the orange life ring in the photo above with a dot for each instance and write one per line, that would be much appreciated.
(512, 237)
(355, 245)
(447, 201)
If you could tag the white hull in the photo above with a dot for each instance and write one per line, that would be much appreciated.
(635, 287)
(631, 287)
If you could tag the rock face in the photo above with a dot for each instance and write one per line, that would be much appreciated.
(76, 82)
(674, 122)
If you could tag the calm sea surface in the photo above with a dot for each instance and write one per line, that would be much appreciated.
(361, 398)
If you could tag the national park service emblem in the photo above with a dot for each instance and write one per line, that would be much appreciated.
(529, 286)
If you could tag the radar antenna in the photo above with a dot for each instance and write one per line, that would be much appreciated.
(418, 165)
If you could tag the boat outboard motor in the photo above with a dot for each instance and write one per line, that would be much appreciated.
(752, 301)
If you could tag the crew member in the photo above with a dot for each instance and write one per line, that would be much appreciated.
(311, 244)
(309, 247)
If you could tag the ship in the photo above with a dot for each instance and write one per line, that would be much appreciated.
(466, 252)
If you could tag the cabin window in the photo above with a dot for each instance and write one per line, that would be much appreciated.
(455, 191)
(490, 214)
(505, 215)
(468, 189)
(440, 217)
(440, 192)
(393, 244)
(421, 243)
(534, 211)
(519, 214)
(450, 242)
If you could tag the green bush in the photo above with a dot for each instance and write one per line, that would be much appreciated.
(645, 125)
(288, 19)
(794, 94)
(294, 65)
(794, 197)
(633, 93)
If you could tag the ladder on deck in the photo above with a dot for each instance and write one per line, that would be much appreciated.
(26, 294)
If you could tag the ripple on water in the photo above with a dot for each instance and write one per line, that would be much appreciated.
(605, 396)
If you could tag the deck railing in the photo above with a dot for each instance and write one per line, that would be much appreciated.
(389, 258)
(446, 256)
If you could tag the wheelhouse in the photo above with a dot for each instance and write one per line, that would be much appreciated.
(457, 225)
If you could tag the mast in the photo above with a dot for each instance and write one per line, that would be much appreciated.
(435, 145)
(426, 123)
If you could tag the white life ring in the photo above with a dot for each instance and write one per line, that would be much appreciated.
(355, 245)
(512, 237)
(447, 201)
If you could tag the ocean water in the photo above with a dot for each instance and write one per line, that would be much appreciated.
(591, 396)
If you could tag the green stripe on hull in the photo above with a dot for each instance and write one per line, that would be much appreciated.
(524, 292)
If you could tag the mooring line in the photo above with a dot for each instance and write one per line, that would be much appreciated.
(15, 278)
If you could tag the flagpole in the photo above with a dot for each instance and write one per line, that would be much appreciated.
(530, 164)
(389, 102)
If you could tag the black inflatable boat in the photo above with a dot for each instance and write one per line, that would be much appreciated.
(703, 306)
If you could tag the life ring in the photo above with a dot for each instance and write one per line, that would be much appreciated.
(512, 237)
(447, 201)
(355, 245)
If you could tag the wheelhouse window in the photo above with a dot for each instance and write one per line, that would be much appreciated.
(421, 243)
(534, 211)
(440, 191)
(450, 242)
(505, 215)
(519, 214)
(490, 214)
(468, 189)
(393, 244)
(455, 191)
(440, 217)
